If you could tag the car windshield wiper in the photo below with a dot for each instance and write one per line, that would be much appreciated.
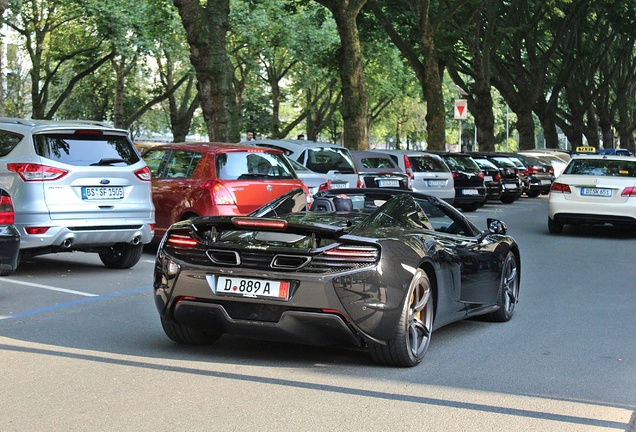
(108, 161)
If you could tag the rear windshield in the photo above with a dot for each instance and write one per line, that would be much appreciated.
(250, 165)
(87, 150)
(376, 163)
(462, 163)
(601, 167)
(485, 164)
(325, 159)
(427, 164)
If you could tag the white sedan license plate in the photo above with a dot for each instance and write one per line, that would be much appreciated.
(252, 287)
(596, 192)
(102, 193)
(388, 183)
(470, 192)
(436, 183)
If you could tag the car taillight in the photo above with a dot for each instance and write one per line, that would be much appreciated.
(560, 187)
(629, 192)
(360, 182)
(220, 194)
(408, 168)
(455, 175)
(252, 222)
(36, 172)
(353, 252)
(7, 215)
(532, 170)
(143, 174)
(36, 230)
(498, 177)
(481, 175)
(180, 240)
(325, 186)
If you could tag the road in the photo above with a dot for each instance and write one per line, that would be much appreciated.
(81, 348)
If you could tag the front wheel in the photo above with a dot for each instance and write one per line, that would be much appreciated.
(122, 255)
(412, 333)
(508, 294)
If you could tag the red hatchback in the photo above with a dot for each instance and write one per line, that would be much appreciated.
(215, 179)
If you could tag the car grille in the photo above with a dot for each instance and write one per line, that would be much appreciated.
(263, 260)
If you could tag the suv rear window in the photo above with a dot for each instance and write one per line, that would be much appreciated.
(8, 141)
(325, 159)
(248, 165)
(86, 150)
(427, 164)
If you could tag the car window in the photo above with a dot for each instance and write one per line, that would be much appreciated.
(602, 167)
(8, 141)
(461, 163)
(251, 165)
(485, 164)
(156, 161)
(440, 220)
(87, 149)
(182, 164)
(376, 162)
(427, 164)
(325, 159)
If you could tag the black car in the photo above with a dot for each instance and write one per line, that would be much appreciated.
(540, 175)
(379, 170)
(470, 189)
(9, 236)
(510, 181)
(492, 178)
(373, 268)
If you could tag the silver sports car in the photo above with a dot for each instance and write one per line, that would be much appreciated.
(373, 268)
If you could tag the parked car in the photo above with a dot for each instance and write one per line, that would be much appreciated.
(594, 189)
(379, 170)
(556, 162)
(324, 158)
(370, 269)
(510, 182)
(468, 179)
(9, 235)
(538, 173)
(428, 172)
(213, 179)
(492, 178)
(314, 181)
(564, 155)
(76, 186)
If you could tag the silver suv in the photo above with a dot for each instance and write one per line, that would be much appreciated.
(325, 158)
(77, 186)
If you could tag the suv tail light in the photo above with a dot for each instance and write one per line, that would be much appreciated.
(407, 167)
(360, 182)
(7, 215)
(143, 174)
(36, 172)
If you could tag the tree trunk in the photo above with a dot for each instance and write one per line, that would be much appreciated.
(354, 92)
(206, 29)
(118, 99)
(525, 127)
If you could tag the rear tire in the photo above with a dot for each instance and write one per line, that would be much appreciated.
(187, 335)
(122, 255)
(554, 227)
(412, 333)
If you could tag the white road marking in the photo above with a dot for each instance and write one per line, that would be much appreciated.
(50, 288)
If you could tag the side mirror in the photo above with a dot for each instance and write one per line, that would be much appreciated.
(495, 226)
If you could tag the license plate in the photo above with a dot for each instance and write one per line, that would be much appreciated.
(339, 185)
(596, 192)
(436, 183)
(509, 186)
(102, 193)
(470, 192)
(487, 178)
(388, 183)
(253, 288)
(546, 182)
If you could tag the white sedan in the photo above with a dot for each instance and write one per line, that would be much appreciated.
(594, 189)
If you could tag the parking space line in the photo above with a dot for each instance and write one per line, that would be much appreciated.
(50, 288)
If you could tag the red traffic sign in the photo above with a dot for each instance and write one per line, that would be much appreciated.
(461, 109)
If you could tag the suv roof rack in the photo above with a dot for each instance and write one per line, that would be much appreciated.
(35, 122)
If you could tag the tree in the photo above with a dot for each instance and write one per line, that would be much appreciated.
(206, 26)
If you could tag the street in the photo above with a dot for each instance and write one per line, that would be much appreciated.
(82, 349)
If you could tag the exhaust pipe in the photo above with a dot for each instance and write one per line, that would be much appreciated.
(67, 243)
(135, 241)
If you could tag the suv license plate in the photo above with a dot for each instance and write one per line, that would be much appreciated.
(254, 288)
(102, 193)
(388, 183)
(470, 192)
